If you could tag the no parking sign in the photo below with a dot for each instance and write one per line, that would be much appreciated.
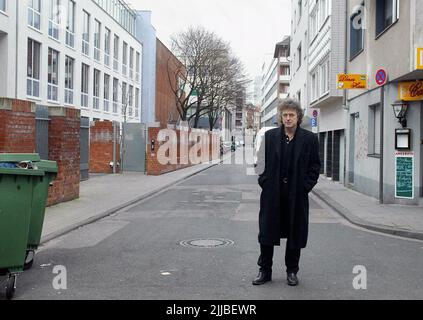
(381, 77)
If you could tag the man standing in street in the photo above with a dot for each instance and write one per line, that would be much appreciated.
(288, 166)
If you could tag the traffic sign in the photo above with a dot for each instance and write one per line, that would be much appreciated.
(313, 122)
(315, 113)
(381, 77)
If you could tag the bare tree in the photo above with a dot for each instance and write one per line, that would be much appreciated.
(127, 98)
(213, 75)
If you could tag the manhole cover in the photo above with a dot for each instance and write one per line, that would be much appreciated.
(207, 243)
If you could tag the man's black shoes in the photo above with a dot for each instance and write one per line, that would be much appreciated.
(292, 279)
(262, 278)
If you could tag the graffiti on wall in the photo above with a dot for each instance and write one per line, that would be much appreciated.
(361, 141)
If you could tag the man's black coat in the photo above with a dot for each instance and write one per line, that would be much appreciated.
(305, 170)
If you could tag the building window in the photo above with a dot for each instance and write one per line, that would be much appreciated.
(116, 53)
(97, 39)
(86, 34)
(313, 24)
(324, 11)
(3, 5)
(314, 84)
(34, 14)
(125, 58)
(374, 129)
(70, 24)
(106, 92)
(131, 100)
(107, 47)
(124, 99)
(53, 75)
(131, 63)
(387, 13)
(53, 19)
(96, 90)
(138, 66)
(300, 10)
(325, 77)
(85, 77)
(356, 33)
(69, 74)
(33, 69)
(137, 102)
(115, 95)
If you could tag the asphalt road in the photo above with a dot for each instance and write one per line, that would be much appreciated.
(137, 253)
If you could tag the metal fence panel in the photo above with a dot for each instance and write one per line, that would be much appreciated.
(85, 147)
(41, 131)
(134, 147)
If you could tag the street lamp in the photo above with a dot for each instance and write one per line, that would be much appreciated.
(400, 110)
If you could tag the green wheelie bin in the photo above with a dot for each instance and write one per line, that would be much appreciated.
(39, 201)
(18, 177)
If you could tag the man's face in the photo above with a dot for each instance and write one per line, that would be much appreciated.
(290, 118)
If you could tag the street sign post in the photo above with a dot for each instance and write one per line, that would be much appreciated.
(352, 81)
(381, 77)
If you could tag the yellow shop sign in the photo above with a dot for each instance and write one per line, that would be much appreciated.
(420, 58)
(352, 81)
(411, 91)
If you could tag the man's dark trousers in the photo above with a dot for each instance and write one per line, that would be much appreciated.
(292, 256)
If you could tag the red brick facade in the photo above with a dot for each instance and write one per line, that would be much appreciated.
(64, 139)
(17, 126)
(101, 147)
(167, 66)
(211, 143)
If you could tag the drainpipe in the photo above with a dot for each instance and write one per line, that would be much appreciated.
(17, 3)
(345, 101)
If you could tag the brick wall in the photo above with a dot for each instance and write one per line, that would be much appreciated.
(166, 64)
(64, 147)
(17, 126)
(184, 146)
(101, 147)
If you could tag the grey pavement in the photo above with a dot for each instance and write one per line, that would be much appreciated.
(365, 211)
(103, 195)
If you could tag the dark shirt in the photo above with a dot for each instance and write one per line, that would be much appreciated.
(287, 156)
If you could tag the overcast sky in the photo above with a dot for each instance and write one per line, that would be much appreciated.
(253, 27)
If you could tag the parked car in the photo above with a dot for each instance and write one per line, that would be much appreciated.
(225, 147)
(258, 140)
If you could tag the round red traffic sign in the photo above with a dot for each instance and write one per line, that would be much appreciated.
(381, 77)
(315, 113)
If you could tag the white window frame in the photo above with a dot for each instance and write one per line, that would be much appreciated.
(131, 62)
(53, 87)
(324, 74)
(138, 66)
(96, 89)
(85, 92)
(97, 40)
(86, 42)
(54, 20)
(106, 93)
(33, 13)
(70, 24)
(107, 39)
(137, 102)
(69, 80)
(33, 84)
(115, 95)
(116, 40)
(125, 59)
(131, 100)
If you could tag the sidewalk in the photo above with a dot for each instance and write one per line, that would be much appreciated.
(102, 195)
(366, 212)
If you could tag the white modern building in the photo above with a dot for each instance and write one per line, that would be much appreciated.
(317, 57)
(146, 33)
(275, 82)
(75, 53)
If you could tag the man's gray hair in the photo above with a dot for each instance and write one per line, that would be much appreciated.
(291, 104)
